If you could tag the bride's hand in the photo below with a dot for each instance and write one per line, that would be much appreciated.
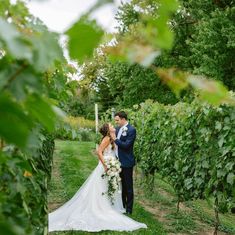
(113, 135)
(112, 130)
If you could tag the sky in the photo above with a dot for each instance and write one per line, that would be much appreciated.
(59, 15)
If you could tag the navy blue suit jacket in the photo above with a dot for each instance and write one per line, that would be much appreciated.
(125, 147)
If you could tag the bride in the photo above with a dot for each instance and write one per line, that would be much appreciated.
(89, 209)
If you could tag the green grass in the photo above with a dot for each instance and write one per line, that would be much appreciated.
(73, 162)
(69, 158)
(182, 222)
(201, 211)
(206, 213)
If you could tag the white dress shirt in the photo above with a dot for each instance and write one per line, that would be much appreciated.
(119, 136)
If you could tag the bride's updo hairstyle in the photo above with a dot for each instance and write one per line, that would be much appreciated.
(104, 131)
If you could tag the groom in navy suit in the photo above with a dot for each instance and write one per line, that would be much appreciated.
(124, 140)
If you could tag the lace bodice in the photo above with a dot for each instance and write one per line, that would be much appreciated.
(109, 152)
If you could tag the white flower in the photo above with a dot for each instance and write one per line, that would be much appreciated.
(112, 176)
(124, 128)
(124, 131)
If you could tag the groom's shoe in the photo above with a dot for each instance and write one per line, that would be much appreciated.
(128, 212)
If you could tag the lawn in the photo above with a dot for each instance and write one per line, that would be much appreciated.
(74, 161)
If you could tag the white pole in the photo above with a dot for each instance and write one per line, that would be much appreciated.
(96, 121)
(113, 112)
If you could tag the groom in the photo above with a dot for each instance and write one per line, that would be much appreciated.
(124, 140)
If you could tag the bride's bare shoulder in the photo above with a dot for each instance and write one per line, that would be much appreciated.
(105, 141)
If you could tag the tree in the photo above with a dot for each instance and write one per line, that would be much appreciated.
(204, 40)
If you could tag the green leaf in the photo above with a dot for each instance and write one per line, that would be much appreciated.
(218, 126)
(41, 49)
(16, 44)
(211, 91)
(165, 36)
(24, 165)
(46, 51)
(168, 6)
(4, 73)
(205, 164)
(7, 228)
(230, 178)
(221, 141)
(221, 173)
(14, 124)
(24, 81)
(174, 78)
(41, 111)
(26, 206)
(188, 183)
(84, 37)
(142, 55)
(99, 4)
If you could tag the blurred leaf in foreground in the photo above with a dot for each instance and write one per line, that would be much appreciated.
(84, 36)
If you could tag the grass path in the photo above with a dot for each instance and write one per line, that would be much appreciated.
(73, 162)
(193, 218)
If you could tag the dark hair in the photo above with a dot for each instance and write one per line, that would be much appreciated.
(104, 131)
(121, 114)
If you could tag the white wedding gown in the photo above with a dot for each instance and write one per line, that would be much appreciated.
(89, 210)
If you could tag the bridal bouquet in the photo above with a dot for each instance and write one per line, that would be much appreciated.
(112, 174)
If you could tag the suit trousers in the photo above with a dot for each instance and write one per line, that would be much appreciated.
(127, 188)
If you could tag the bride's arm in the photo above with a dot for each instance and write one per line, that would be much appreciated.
(104, 143)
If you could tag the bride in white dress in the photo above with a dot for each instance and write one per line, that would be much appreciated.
(90, 210)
